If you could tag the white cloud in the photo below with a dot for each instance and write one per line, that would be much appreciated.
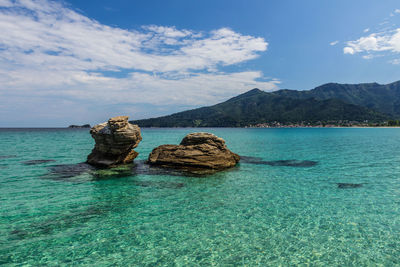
(384, 42)
(375, 43)
(168, 31)
(348, 50)
(192, 89)
(368, 56)
(5, 3)
(334, 43)
(53, 28)
(48, 49)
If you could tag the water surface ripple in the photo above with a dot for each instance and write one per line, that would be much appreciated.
(302, 196)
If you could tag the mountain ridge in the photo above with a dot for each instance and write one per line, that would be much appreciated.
(384, 98)
(328, 102)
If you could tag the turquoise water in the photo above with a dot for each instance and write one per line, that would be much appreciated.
(252, 215)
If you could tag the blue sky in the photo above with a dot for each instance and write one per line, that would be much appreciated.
(77, 62)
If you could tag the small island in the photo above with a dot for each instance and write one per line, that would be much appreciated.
(84, 126)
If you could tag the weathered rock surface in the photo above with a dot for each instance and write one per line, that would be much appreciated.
(115, 141)
(201, 151)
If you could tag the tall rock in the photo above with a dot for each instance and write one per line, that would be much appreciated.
(196, 151)
(115, 141)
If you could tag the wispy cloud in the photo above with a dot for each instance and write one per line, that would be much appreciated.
(48, 49)
(383, 42)
(334, 43)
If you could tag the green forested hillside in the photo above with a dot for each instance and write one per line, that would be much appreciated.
(384, 98)
(256, 106)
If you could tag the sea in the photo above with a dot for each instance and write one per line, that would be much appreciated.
(301, 196)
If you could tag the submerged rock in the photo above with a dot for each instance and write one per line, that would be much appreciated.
(83, 172)
(348, 185)
(198, 152)
(67, 171)
(252, 160)
(37, 161)
(285, 163)
(115, 141)
(124, 170)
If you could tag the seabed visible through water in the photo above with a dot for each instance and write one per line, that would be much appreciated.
(299, 196)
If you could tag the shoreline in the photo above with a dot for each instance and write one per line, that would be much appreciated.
(328, 127)
(272, 127)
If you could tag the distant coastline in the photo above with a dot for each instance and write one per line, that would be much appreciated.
(338, 124)
(281, 127)
(205, 127)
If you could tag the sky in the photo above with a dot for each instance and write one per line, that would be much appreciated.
(77, 62)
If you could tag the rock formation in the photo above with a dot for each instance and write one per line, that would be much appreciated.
(201, 151)
(115, 141)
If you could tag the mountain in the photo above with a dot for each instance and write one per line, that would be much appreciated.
(256, 106)
(384, 98)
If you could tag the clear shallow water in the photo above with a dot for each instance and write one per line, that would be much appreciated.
(250, 215)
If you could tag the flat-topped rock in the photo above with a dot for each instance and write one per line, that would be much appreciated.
(115, 141)
(197, 151)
